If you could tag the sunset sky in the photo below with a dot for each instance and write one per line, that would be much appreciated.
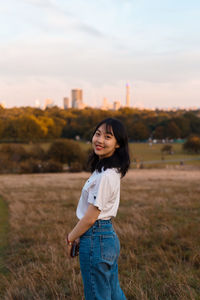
(49, 47)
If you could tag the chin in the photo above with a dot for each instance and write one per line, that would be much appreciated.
(98, 152)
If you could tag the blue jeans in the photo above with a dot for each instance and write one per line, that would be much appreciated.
(98, 255)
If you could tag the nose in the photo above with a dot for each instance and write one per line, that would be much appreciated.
(100, 139)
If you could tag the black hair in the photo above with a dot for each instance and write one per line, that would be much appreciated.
(120, 158)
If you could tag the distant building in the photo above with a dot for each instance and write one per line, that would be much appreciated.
(127, 95)
(37, 103)
(48, 103)
(106, 105)
(116, 105)
(66, 103)
(77, 99)
(2, 104)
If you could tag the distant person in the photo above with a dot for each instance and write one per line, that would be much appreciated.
(98, 204)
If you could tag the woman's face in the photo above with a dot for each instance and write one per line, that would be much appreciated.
(104, 143)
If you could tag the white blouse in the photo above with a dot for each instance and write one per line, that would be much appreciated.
(103, 191)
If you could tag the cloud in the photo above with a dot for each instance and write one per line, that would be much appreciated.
(40, 3)
(65, 58)
(58, 17)
(91, 30)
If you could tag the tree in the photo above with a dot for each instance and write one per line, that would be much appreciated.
(29, 128)
(1, 128)
(184, 126)
(192, 144)
(139, 132)
(52, 127)
(172, 130)
(194, 122)
(159, 133)
(9, 130)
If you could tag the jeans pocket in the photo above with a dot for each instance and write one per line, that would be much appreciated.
(109, 248)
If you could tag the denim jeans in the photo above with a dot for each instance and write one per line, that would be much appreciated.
(98, 255)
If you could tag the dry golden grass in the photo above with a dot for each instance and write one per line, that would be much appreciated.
(157, 223)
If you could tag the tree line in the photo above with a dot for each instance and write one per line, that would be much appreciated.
(32, 124)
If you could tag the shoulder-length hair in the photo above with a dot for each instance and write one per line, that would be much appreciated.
(120, 158)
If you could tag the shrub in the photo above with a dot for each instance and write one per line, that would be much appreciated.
(52, 166)
(167, 149)
(7, 165)
(38, 166)
(31, 166)
(37, 152)
(192, 144)
(67, 152)
(14, 152)
(76, 167)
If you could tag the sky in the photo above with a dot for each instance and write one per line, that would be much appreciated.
(48, 47)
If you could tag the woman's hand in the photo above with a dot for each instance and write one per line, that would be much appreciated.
(78, 240)
(69, 248)
(69, 245)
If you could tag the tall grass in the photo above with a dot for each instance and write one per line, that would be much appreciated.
(157, 223)
(3, 232)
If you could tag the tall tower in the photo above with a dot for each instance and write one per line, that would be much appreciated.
(127, 95)
(77, 98)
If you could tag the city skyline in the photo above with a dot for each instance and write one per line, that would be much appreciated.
(76, 101)
(49, 46)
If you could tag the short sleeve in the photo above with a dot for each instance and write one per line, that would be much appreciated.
(101, 191)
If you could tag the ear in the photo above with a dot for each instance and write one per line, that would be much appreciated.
(117, 146)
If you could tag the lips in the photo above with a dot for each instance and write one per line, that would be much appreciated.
(98, 147)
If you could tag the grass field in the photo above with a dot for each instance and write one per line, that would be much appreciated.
(152, 157)
(157, 224)
(3, 233)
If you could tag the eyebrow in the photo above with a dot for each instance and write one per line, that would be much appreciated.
(107, 132)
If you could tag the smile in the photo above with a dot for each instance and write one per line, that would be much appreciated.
(98, 147)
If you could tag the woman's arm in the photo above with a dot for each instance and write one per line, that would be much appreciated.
(85, 223)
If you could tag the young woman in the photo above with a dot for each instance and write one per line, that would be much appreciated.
(98, 204)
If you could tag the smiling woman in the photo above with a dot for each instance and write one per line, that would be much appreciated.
(104, 142)
(99, 202)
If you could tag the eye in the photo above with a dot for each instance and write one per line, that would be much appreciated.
(108, 137)
(97, 133)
